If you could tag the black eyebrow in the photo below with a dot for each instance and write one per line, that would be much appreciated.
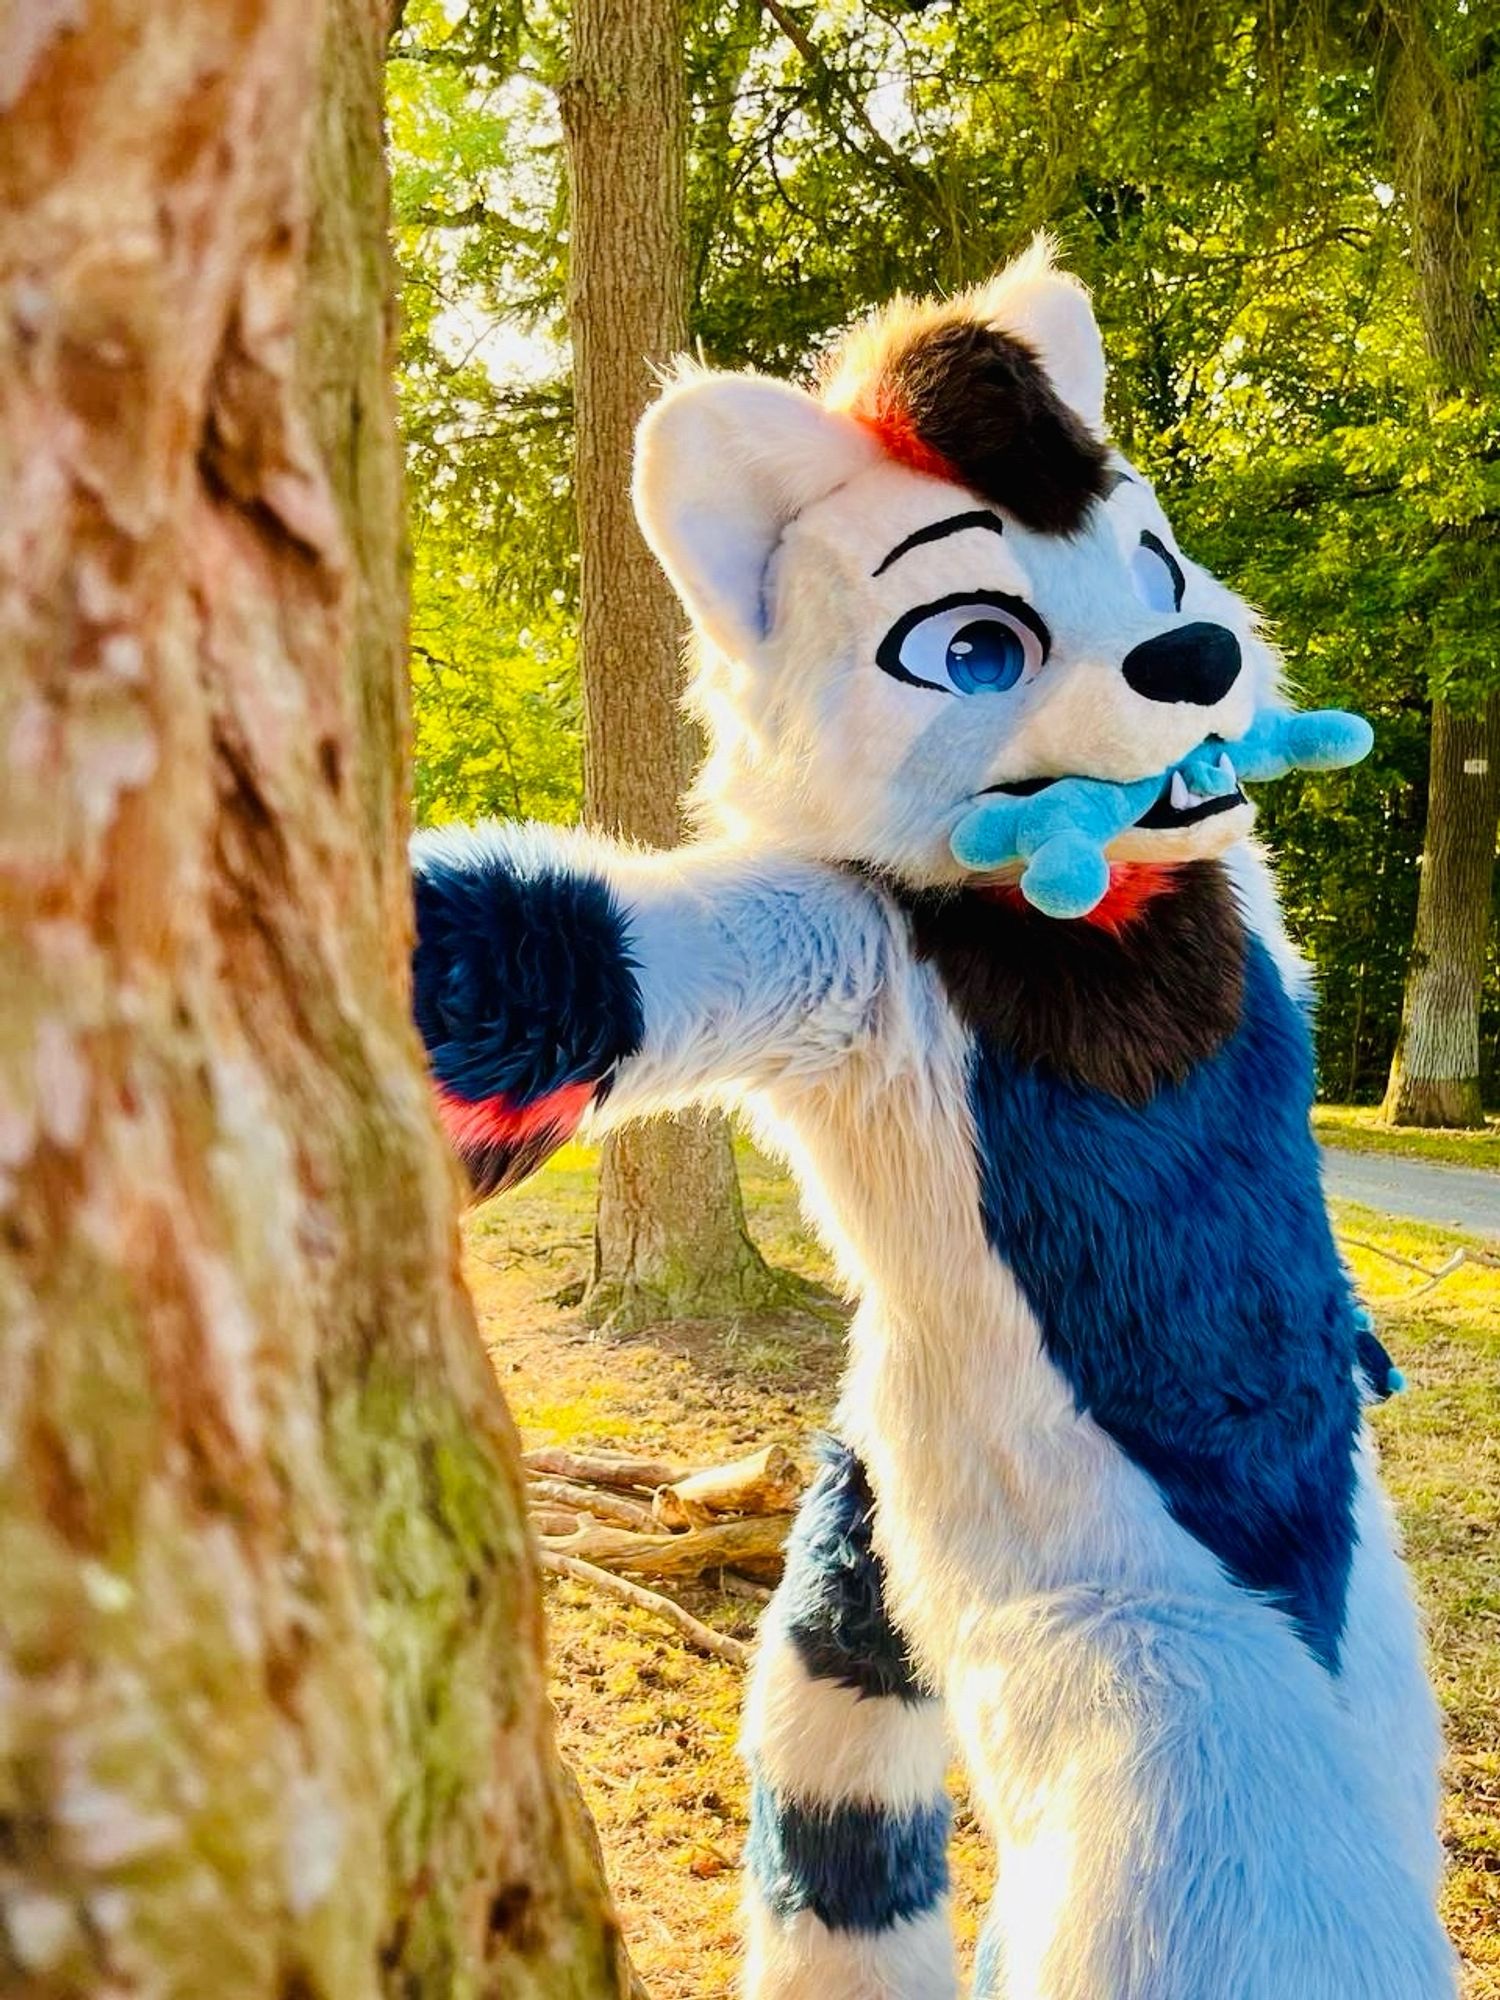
(1116, 479)
(935, 531)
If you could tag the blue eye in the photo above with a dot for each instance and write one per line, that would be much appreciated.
(975, 642)
(985, 657)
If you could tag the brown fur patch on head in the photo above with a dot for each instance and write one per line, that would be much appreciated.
(949, 393)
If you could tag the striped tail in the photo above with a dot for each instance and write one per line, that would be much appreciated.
(847, 1892)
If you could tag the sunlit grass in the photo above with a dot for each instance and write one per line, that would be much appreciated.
(1357, 1128)
(651, 1728)
(1440, 1444)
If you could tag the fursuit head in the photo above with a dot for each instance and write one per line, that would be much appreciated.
(1099, 1513)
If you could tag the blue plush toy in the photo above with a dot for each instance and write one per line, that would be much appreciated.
(1061, 832)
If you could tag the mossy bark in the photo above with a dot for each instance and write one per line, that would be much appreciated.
(272, 1719)
(671, 1239)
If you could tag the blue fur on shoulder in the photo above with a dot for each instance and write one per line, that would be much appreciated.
(856, 1867)
(1179, 1260)
(522, 972)
(832, 1594)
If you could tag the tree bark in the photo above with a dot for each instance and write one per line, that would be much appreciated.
(273, 1720)
(670, 1238)
(1445, 180)
(1435, 1074)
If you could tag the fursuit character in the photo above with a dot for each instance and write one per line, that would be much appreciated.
(1100, 1502)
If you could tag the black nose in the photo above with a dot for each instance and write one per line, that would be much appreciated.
(1198, 663)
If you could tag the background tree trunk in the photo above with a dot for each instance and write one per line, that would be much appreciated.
(670, 1237)
(273, 1718)
(1435, 1073)
(1445, 179)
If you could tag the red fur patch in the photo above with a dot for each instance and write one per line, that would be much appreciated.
(495, 1121)
(973, 405)
(1132, 885)
(899, 439)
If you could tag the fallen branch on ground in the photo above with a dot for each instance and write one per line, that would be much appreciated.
(603, 1504)
(766, 1482)
(611, 1469)
(548, 1249)
(554, 1521)
(1455, 1261)
(593, 1523)
(718, 1644)
(753, 1544)
(1391, 1256)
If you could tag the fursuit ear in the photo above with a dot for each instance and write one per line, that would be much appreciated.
(722, 464)
(1050, 310)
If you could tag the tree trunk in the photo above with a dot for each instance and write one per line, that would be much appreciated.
(273, 1712)
(670, 1239)
(1435, 1074)
(1445, 179)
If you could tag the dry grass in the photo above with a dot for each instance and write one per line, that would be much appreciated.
(650, 1727)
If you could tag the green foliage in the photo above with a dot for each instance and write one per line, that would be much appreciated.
(1225, 184)
(487, 412)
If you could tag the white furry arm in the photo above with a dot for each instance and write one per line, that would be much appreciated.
(751, 971)
(557, 974)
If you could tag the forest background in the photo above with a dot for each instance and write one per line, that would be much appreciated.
(271, 1631)
(1226, 184)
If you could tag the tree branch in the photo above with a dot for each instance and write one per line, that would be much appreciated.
(717, 1644)
(910, 176)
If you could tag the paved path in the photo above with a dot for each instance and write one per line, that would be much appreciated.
(1465, 1198)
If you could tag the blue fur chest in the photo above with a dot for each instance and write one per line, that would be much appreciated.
(1178, 1258)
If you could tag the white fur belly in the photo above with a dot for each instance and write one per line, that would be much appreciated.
(1165, 1767)
(992, 1483)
